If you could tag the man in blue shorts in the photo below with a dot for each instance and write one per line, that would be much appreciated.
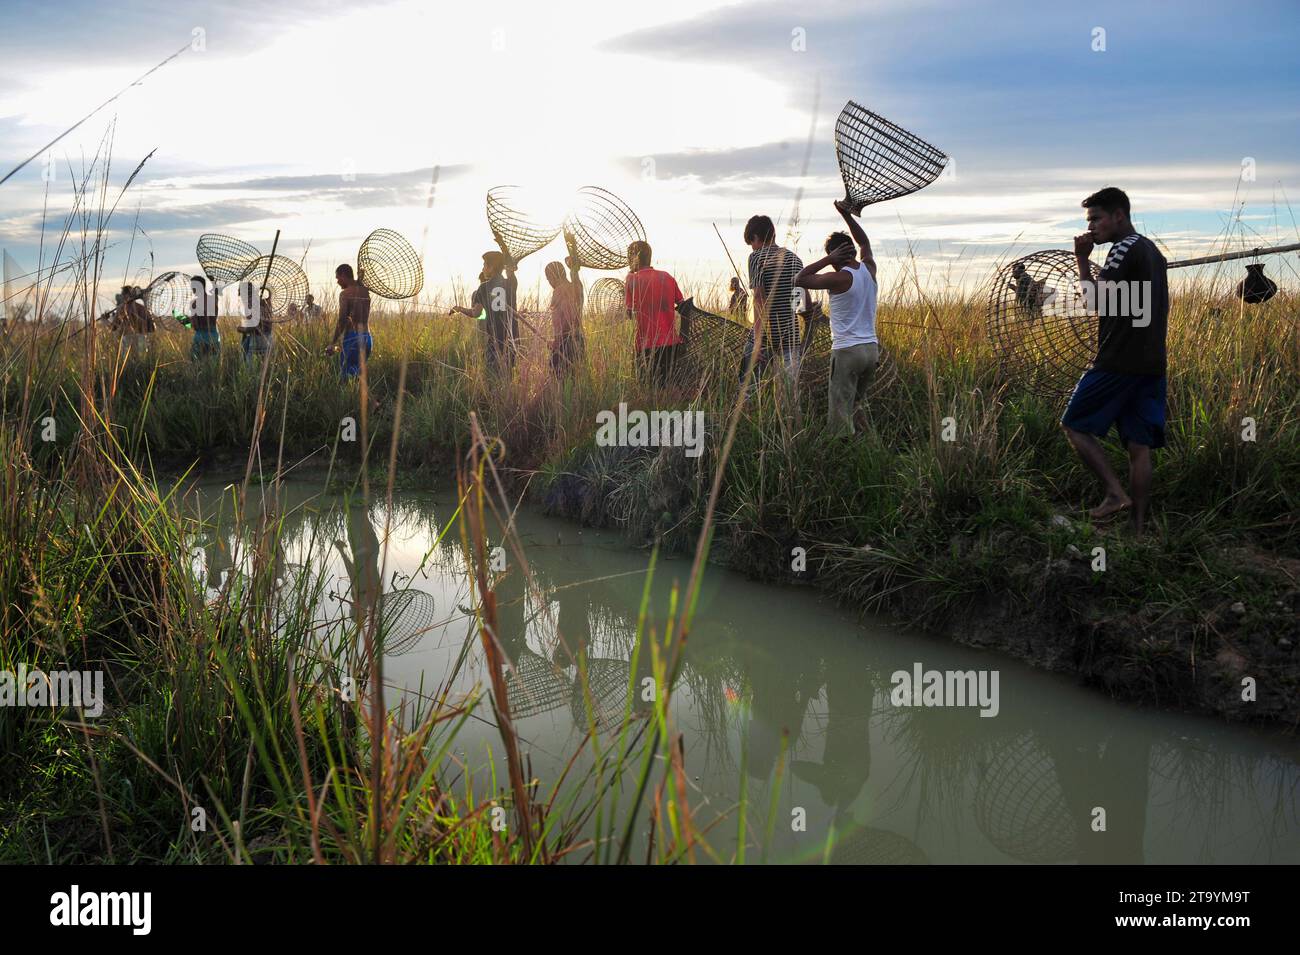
(1125, 387)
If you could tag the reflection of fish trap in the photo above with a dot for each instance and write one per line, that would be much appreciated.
(871, 846)
(602, 226)
(606, 696)
(406, 617)
(1019, 805)
(535, 686)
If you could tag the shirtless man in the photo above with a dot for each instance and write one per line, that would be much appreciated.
(353, 324)
(566, 320)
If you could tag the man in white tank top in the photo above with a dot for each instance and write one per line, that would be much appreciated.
(855, 350)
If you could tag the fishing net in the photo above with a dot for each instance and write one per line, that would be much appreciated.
(225, 259)
(535, 685)
(514, 225)
(712, 346)
(406, 617)
(285, 280)
(607, 299)
(1019, 805)
(871, 846)
(880, 161)
(601, 226)
(606, 698)
(170, 295)
(1039, 324)
(388, 265)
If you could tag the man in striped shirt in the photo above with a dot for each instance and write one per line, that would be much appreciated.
(772, 271)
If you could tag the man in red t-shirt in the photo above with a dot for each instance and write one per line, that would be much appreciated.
(651, 296)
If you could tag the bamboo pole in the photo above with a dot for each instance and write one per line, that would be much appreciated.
(1228, 256)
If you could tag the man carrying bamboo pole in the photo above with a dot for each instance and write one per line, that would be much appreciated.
(1125, 387)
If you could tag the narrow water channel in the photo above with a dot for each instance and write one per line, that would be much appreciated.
(792, 699)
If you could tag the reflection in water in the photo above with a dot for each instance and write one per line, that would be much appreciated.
(787, 693)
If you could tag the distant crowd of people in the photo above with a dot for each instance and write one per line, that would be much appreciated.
(778, 281)
(1124, 388)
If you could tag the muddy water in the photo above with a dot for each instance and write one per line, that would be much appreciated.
(791, 699)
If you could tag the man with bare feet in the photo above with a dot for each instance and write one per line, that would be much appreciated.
(1125, 387)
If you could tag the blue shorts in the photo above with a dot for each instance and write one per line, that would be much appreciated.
(1135, 403)
(350, 354)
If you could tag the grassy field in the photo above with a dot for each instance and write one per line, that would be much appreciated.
(984, 537)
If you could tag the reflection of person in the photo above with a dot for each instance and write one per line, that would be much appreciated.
(216, 558)
(650, 296)
(855, 349)
(1111, 774)
(362, 568)
(846, 758)
(780, 688)
(353, 325)
(567, 346)
(494, 302)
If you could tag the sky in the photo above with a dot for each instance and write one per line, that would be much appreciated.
(326, 120)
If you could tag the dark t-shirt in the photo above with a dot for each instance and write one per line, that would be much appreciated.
(202, 310)
(499, 321)
(1132, 287)
(773, 270)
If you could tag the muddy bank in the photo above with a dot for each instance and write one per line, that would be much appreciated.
(1222, 642)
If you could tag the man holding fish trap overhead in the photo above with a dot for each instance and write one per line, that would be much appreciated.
(855, 349)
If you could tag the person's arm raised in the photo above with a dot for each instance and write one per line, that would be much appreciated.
(859, 236)
(836, 282)
(1083, 246)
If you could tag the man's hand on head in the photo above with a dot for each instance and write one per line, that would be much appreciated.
(1083, 244)
(841, 257)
